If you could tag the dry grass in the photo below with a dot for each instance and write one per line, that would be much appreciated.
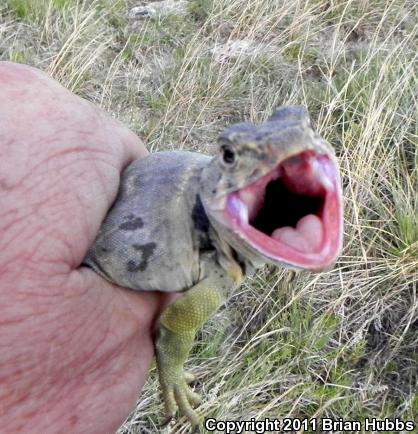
(342, 344)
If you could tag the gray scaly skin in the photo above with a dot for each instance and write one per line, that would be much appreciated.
(188, 222)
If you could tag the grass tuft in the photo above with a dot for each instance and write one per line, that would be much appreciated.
(342, 344)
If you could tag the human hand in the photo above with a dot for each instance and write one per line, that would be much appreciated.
(74, 349)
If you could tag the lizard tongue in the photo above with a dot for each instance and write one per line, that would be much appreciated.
(306, 237)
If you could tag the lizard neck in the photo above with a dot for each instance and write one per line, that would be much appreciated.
(231, 259)
(213, 241)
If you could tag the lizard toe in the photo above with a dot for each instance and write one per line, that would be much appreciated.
(182, 399)
(189, 378)
(193, 397)
(169, 403)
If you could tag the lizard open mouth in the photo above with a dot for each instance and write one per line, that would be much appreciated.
(293, 214)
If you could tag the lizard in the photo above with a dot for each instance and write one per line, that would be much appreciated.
(188, 222)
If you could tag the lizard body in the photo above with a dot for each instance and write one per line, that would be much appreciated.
(184, 221)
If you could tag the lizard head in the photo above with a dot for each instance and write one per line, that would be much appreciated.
(273, 192)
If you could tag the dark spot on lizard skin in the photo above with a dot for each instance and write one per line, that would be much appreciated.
(205, 244)
(239, 260)
(201, 223)
(132, 225)
(146, 252)
(200, 219)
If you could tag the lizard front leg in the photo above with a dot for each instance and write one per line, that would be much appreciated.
(176, 332)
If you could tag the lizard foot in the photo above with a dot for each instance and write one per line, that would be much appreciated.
(178, 395)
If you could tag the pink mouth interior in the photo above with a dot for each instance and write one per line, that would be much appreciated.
(293, 214)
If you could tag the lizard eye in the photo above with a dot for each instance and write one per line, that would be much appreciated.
(228, 155)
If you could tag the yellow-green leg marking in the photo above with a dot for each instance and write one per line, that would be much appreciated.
(177, 328)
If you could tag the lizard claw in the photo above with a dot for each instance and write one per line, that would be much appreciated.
(166, 421)
(178, 395)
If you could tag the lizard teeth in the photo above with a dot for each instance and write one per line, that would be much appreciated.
(322, 176)
(308, 175)
(238, 208)
(253, 198)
